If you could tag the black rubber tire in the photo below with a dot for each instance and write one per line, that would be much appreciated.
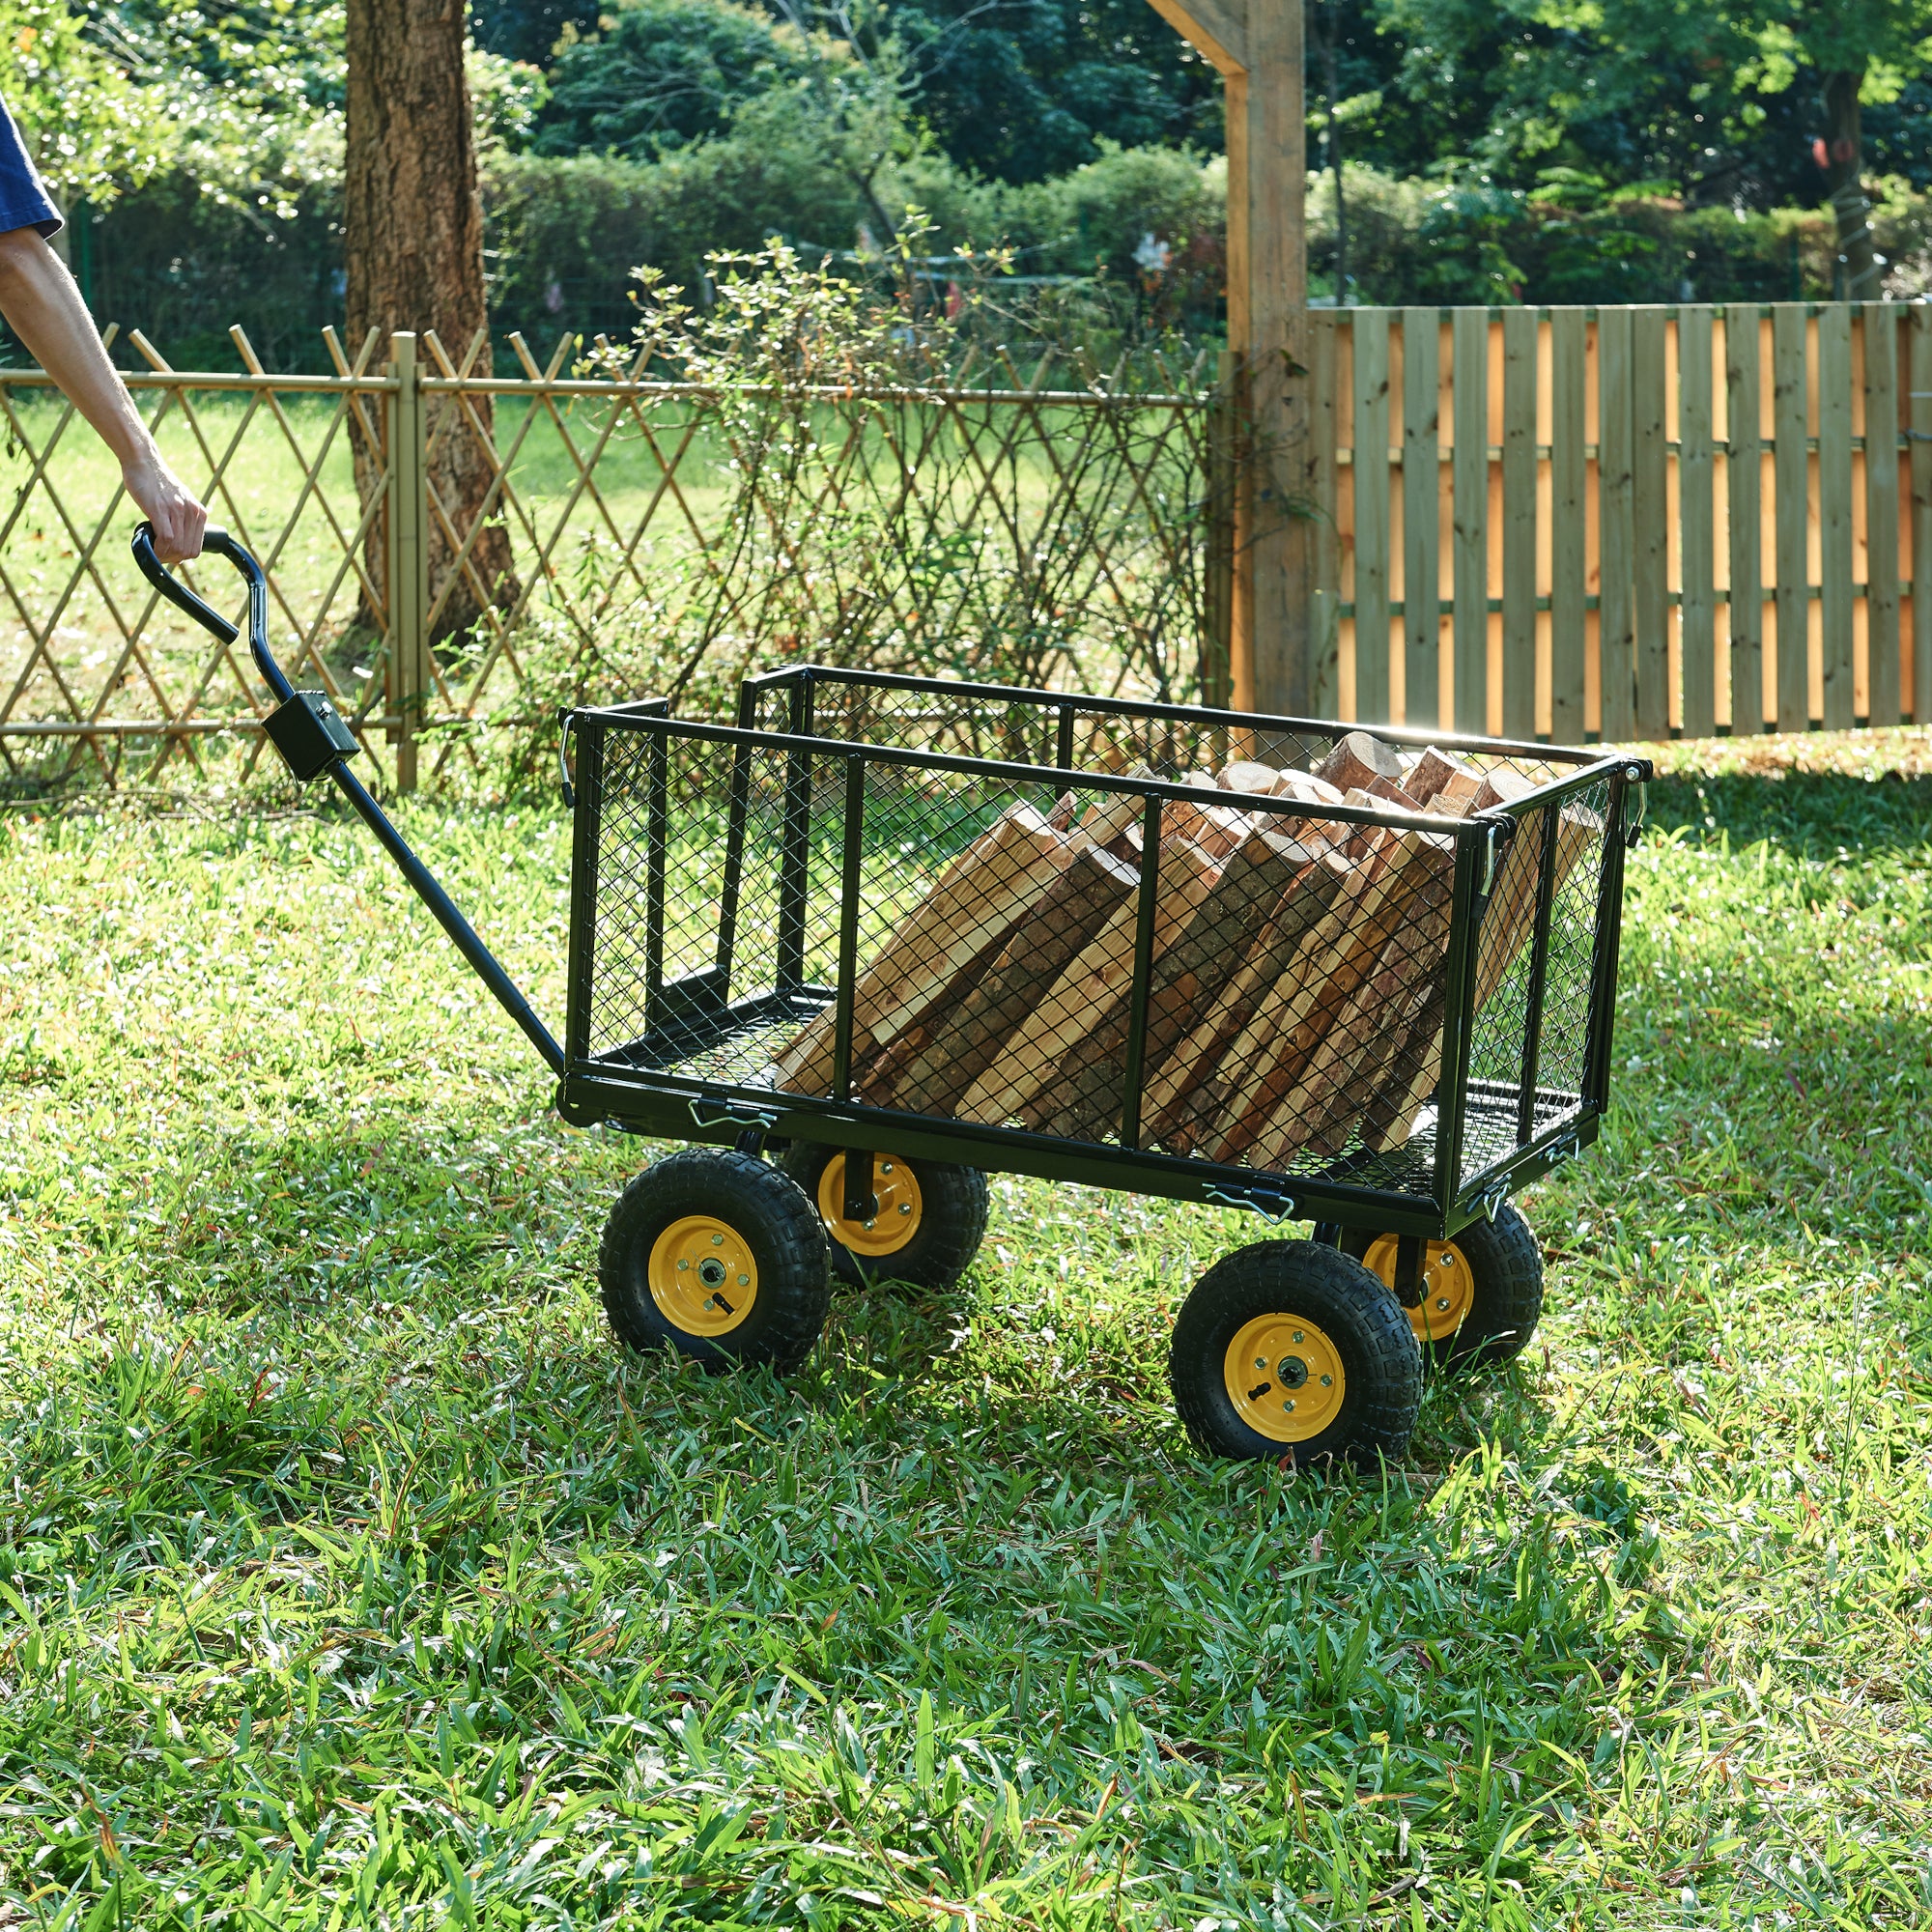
(1505, 1284)
(1382, 1365)
(955, 1202)
(777, 1222)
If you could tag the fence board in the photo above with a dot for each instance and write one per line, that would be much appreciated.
(1324, 631)
(1835, 513)
(1922, 514)
(1519, 345)
(1617, 536)
(1372, 515)
(1650, 593)
(1569, 553)
(1698, 614)
(1421, 520)
(1881, 346)
(1470, 348)
(1744, 464)
(1791, 463)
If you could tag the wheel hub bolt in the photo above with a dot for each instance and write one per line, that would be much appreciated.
(1298, 1336)
(717, 1241)
(871, 1224)
(1327, 1382)
(745, 1281)
(1442, 1301)
(905, 1207)
(1289, 1405)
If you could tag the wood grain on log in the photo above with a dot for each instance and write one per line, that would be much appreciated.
(975, 903)
(1275, 1050)
(962, 1044)
(1195, 1057)
(1091, 991)
(1357, 757)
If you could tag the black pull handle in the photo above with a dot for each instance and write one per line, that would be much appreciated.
(218, 543)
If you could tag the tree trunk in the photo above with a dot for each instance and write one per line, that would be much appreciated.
(413, 249)
(1842, 159)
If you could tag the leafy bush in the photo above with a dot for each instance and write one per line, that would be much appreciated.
(663, 73)
(1430, 243)
(852, 521)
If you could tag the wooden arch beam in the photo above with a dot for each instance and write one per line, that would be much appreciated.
(1256, 46)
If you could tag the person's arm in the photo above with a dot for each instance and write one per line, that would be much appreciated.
(44, 308)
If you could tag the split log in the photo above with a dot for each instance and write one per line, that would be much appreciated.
(1356, 759)
(1186, 977)
(962, 922)
(1091, 991)
(1217, 828)
(1342, 1073)
(1437, 771)
(1246, 775)
(1275, 1051)
(965, 1040)
(1511, 913)
(1193, 1059)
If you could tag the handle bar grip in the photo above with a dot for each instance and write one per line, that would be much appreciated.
(218, 543)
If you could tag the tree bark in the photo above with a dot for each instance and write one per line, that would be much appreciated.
(413, 224)
(1842, 160)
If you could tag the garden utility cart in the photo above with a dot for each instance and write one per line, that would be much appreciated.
(898, 932)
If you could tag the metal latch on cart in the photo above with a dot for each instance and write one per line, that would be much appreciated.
(709, 1113)
(1642, 805)
(1268, 1206)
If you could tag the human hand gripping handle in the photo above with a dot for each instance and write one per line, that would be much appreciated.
(314, 742)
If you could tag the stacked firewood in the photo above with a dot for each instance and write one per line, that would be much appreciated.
(1298, 964)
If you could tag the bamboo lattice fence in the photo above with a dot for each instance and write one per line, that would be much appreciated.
(661, 533)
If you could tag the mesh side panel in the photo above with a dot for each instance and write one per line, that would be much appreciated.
(1293, 1008)
(1505, 965)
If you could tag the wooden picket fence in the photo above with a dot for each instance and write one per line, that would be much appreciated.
(1626, 522)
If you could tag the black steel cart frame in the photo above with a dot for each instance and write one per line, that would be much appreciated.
(642, 1085)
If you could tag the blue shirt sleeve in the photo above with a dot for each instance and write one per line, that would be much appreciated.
(24, 200)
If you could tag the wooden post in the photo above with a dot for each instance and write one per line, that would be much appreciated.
(1256, 46)
(408, 558)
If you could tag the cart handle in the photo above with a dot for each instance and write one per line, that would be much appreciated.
(314, 743)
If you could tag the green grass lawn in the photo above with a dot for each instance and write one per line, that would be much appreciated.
(349, 1576)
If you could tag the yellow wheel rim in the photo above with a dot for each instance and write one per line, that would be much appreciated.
(702, 1276)
(899, 1207)
(1448, 1286)
(1285, 1377)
